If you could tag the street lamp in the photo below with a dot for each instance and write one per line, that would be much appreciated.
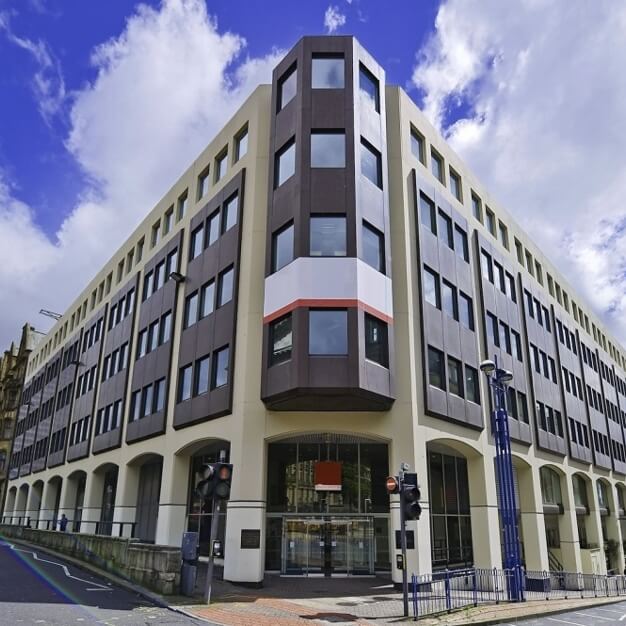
(499, 379)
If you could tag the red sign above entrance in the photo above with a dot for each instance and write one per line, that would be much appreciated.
(327, 476)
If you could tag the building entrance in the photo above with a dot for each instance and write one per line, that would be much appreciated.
(328, 547)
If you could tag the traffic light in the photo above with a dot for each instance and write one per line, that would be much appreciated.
(222, 478)
(204, 487)
(410, 496)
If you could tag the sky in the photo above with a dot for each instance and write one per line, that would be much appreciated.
(104, 104)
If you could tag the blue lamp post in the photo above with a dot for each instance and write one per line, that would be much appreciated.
(498, 380)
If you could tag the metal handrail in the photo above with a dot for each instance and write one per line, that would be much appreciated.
(75, 526)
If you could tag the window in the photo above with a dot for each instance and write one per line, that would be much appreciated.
(184, 383)
(418, 146)
(498, 272)
(165, 328)
(477, 207)
(241, 144)
(328, 235)
(159, 276)
(135, 406)
(220, 368)
(168, 219)
(455, 185)
(171, 265)
(466, 312)
(195, 245)
(504, 235)
(328, 332)
(505, 337)
(159, 395)
(510, 287)
(327, 72)
(491, 221)
(460, 243)
(221, 164)
(455, 377)
(436, 373)
(142, 343)
(229, 213)
(154, 237)
(282, 247)
(486, 266)
(285, 163)
(225, 287)
(448, 299)
(153, 335)
(371, 163)
(328, 149)
(201, 381)
(207, 296)
(203, 183)
(427, 214)
(376, 343)
(472, 390)
(517, 344)
(191, 309)
(212, 228)
(432, 294)
(492, 329)
(182, 206)
(445, 229)
(281, 340)
(287, 86)
(368, 86)
(436, 166)
(146, 401)
(373, 247)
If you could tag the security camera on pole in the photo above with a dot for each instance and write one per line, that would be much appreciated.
(405, 484)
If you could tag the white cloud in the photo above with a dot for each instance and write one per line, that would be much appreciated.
(545, 132)
(163, 88)
(333, 19)
(47, 82)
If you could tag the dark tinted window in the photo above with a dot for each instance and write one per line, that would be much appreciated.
(328, 235)
(287, 86)
(436, 368)
(328, 149)
(327, 73)
(282, 247)
(281, 340)
(376, 343)
(328, 331)
(373, 247)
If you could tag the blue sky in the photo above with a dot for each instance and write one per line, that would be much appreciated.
(104, 104)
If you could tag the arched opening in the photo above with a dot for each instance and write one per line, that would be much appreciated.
(105, 482)
(581, 503)
(144, 474)
(612, 549)
(21, 504)
(9, 508)
(34, 503)
(552, 500)
(450, 514)
(75, 501)
(327, 506)
(52, 500)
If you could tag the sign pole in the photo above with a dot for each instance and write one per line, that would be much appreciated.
(209, 571)
(405, 582)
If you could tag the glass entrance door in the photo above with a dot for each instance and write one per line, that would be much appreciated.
(330, 547)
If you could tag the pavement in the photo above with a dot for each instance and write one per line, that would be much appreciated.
(40, 587)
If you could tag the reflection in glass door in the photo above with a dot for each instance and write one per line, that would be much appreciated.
(361, 546)
(339, 561)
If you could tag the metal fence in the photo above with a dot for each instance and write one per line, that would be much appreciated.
(449, 590)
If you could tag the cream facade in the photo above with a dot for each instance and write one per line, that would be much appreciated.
(321, 285)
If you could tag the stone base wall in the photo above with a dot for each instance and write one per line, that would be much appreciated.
(151, 566)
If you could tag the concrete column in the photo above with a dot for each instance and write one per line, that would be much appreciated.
(92, 504)
(9, 507)
(173, 500)
(614, 532)
(246, 508)
(568, 528)
(532, 521)
(125, 500)
(484, 512)
(21, 503)
(46, 513)
(593, 526)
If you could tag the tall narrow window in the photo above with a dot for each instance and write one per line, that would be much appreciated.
(207, 298)
(195, 245)
(448, 299)
(282, 247)
(477, 207)
(281, 340)
(460, 243)
(191, 309)
(472, 390)
(221, 164)
(466, 312)
(229, 213)
(201, 379)
(455, 377)
(368, 87)
(225, 287)
(327, 72)
(212, 228)
(328, 235)
(203, 183)
(376, 342)
(220, 368)
(287, 85)
(418, 146)
(455, 185)
(373, 247)
(184, 383)
(159, 395)
(285, 163)
(328, 149)
(432, 293)
(241, 144)
(436, 165)
(436, 368)
(491, 221)
(182, 209)
(427, 214)
(371, 165)
(445, 229)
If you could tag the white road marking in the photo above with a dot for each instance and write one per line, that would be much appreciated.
(63, 567)
(606, 619)
(623, 617)
(554, 619)
(597, 608)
